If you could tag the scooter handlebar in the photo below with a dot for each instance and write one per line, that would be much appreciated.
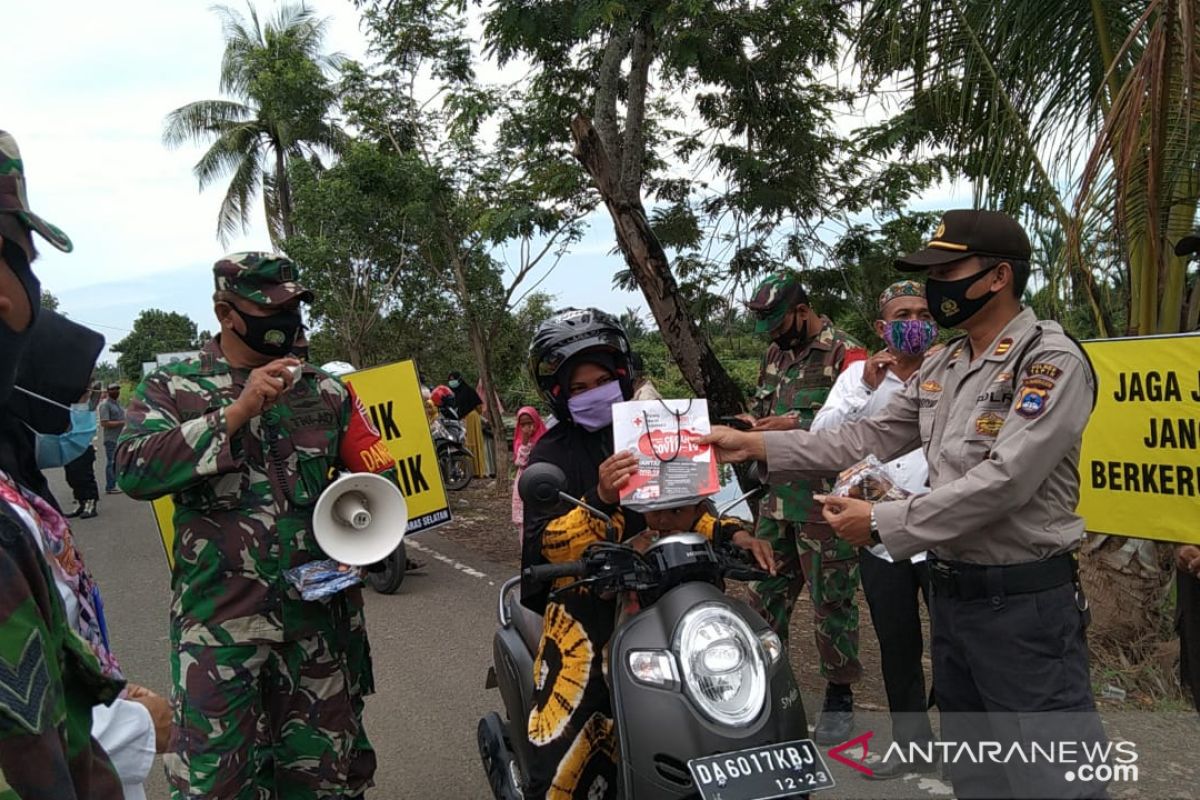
(542, 573)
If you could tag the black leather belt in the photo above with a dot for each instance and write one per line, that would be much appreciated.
(973, 581)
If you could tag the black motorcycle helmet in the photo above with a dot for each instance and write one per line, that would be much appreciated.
(569, 333)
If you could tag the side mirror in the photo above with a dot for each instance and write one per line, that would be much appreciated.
(750, 478)
(540, 486)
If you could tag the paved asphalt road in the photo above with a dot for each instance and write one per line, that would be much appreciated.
(432, 647)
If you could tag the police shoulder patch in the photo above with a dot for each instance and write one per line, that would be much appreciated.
(1043, 368)
(1038, 382)
(1032, 401)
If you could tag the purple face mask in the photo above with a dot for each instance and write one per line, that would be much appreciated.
(592, 410)
(910, 336)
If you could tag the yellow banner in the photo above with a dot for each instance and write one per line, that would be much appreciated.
(392, 396)
(1140, 467)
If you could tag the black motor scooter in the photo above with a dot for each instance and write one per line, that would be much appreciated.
(704, 701)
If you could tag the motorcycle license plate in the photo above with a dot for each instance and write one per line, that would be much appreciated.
(762, 773)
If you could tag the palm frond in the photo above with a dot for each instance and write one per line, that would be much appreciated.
(1009, 88)
(235, 208)
(199, 122)
(227, 153)
(242, 40)
(1141, 173)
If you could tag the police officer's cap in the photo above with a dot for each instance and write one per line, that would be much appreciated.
(970, 232)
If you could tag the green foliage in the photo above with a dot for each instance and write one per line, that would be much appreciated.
(360, 229)
(49, 301)
(277, 75)
(155, 332)
(106, 372)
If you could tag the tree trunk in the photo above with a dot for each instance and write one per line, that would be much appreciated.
(647, 261)
(283, 191)
(483, 357)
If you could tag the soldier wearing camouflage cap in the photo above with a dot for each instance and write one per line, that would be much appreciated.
(804, 359)
(51, 678)
(245, 439)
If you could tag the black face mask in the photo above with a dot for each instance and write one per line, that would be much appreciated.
(948, 301)
(274, 335)
(795, 337)
(13, 343)
(58, 361)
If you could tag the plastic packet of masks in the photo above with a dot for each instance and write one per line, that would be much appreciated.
(318, 579)
(868, 480)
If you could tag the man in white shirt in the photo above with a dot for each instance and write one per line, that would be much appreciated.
(891, 587)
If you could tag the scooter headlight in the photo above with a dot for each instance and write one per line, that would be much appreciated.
(722, 663)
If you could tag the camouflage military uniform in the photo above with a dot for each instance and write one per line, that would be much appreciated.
(50, 679)
(252, 662)
(795, 383)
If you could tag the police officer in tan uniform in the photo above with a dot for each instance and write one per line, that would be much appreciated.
(1000, 414)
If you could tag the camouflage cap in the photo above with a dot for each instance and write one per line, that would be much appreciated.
(14, 198)
(269, 279)
(773, 297)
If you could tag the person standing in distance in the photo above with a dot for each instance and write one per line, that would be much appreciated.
(805, 357)
(81, 471)
(112, 422)
(245, 439)
(893, 588)
(1000, 414)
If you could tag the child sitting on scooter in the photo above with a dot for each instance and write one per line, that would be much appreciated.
(701, 518)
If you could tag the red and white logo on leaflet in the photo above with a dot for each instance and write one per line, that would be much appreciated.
(667, 445)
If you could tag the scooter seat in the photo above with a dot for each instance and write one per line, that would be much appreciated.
(527, 623)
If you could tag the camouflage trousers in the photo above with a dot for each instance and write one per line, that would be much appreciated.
(283, 709)
(361, 772)
(829, 565)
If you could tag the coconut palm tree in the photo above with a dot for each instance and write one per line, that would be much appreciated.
(277, 77)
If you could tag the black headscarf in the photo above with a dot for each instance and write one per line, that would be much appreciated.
(466, 399)
(57, 363)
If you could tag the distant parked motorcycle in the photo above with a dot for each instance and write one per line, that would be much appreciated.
(454, 459)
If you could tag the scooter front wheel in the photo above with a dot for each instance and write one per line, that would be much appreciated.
(388, 579)
(498, 760)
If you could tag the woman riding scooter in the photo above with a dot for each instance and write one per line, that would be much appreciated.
(580, 361)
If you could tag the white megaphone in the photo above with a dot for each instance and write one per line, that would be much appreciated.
(360, 519)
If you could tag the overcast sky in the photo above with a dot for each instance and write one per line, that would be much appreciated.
(88, 87)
